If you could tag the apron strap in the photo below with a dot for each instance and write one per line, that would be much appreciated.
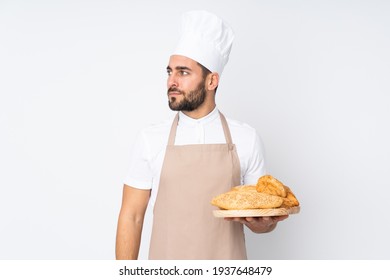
(172, 134)
(226, 129)
(225, 126)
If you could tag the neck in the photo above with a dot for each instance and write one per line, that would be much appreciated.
(200, 112)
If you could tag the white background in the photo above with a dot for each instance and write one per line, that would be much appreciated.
(79, 79)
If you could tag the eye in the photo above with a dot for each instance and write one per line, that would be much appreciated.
(169, 72)
(184, 73)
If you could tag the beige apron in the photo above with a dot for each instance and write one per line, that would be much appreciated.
(184, 226)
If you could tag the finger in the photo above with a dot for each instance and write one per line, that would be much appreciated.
(234, 219)
(267, 219)
(280, 218)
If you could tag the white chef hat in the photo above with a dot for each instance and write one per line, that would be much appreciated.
(206, 39)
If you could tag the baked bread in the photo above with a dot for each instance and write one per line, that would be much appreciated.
(270, 185)
(267, 193)
(249, 199)
(246, 188)
(290, 200)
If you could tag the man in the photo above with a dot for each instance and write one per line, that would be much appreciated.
(181, 164)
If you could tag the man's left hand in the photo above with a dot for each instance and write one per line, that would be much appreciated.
(259, 224)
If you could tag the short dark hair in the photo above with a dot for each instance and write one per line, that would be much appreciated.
(205, 72)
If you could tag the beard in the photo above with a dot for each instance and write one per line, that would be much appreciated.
(191, 100)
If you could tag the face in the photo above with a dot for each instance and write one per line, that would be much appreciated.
(186, 84)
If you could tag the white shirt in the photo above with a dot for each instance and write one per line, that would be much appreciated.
(149, 149)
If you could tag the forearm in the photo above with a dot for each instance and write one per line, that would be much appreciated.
(130, 222)
(128, 239)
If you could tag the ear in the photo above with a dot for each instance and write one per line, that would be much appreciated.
(212, 81)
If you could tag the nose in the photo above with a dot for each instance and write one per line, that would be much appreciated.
(172, 81)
